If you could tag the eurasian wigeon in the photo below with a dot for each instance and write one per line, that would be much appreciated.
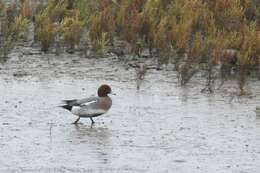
(90, 107)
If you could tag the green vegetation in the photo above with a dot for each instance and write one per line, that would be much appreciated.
(14, 21)
(199, 35)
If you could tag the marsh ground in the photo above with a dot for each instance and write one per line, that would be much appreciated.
(160, 128)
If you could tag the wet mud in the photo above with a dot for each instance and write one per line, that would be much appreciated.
(159, 128)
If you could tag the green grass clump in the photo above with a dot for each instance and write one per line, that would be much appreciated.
(72, 29)
(14, 22)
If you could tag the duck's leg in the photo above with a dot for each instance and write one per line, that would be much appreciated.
(75, 122)
(92, 121)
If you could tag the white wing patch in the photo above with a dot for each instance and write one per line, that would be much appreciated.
(88, 103)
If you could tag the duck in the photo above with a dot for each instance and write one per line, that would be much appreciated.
(90, 107)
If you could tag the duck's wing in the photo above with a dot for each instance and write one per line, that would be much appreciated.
(79, 102)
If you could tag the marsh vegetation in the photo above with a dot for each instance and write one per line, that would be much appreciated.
(218, 38)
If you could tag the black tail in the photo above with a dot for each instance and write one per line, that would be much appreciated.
(68, 107)
(68, 104)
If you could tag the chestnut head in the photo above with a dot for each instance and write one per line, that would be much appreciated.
(104, 90)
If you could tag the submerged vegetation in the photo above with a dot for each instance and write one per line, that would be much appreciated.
(198, 35)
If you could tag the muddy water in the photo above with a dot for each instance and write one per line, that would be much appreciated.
(160, 128)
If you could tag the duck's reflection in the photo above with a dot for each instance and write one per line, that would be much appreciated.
(92, 132)
(94, 140)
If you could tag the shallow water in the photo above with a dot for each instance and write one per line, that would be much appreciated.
(160, 128)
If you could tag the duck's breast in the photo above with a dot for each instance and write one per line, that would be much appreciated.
(105, 103)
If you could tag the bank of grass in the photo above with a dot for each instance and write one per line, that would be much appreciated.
(192, 32)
